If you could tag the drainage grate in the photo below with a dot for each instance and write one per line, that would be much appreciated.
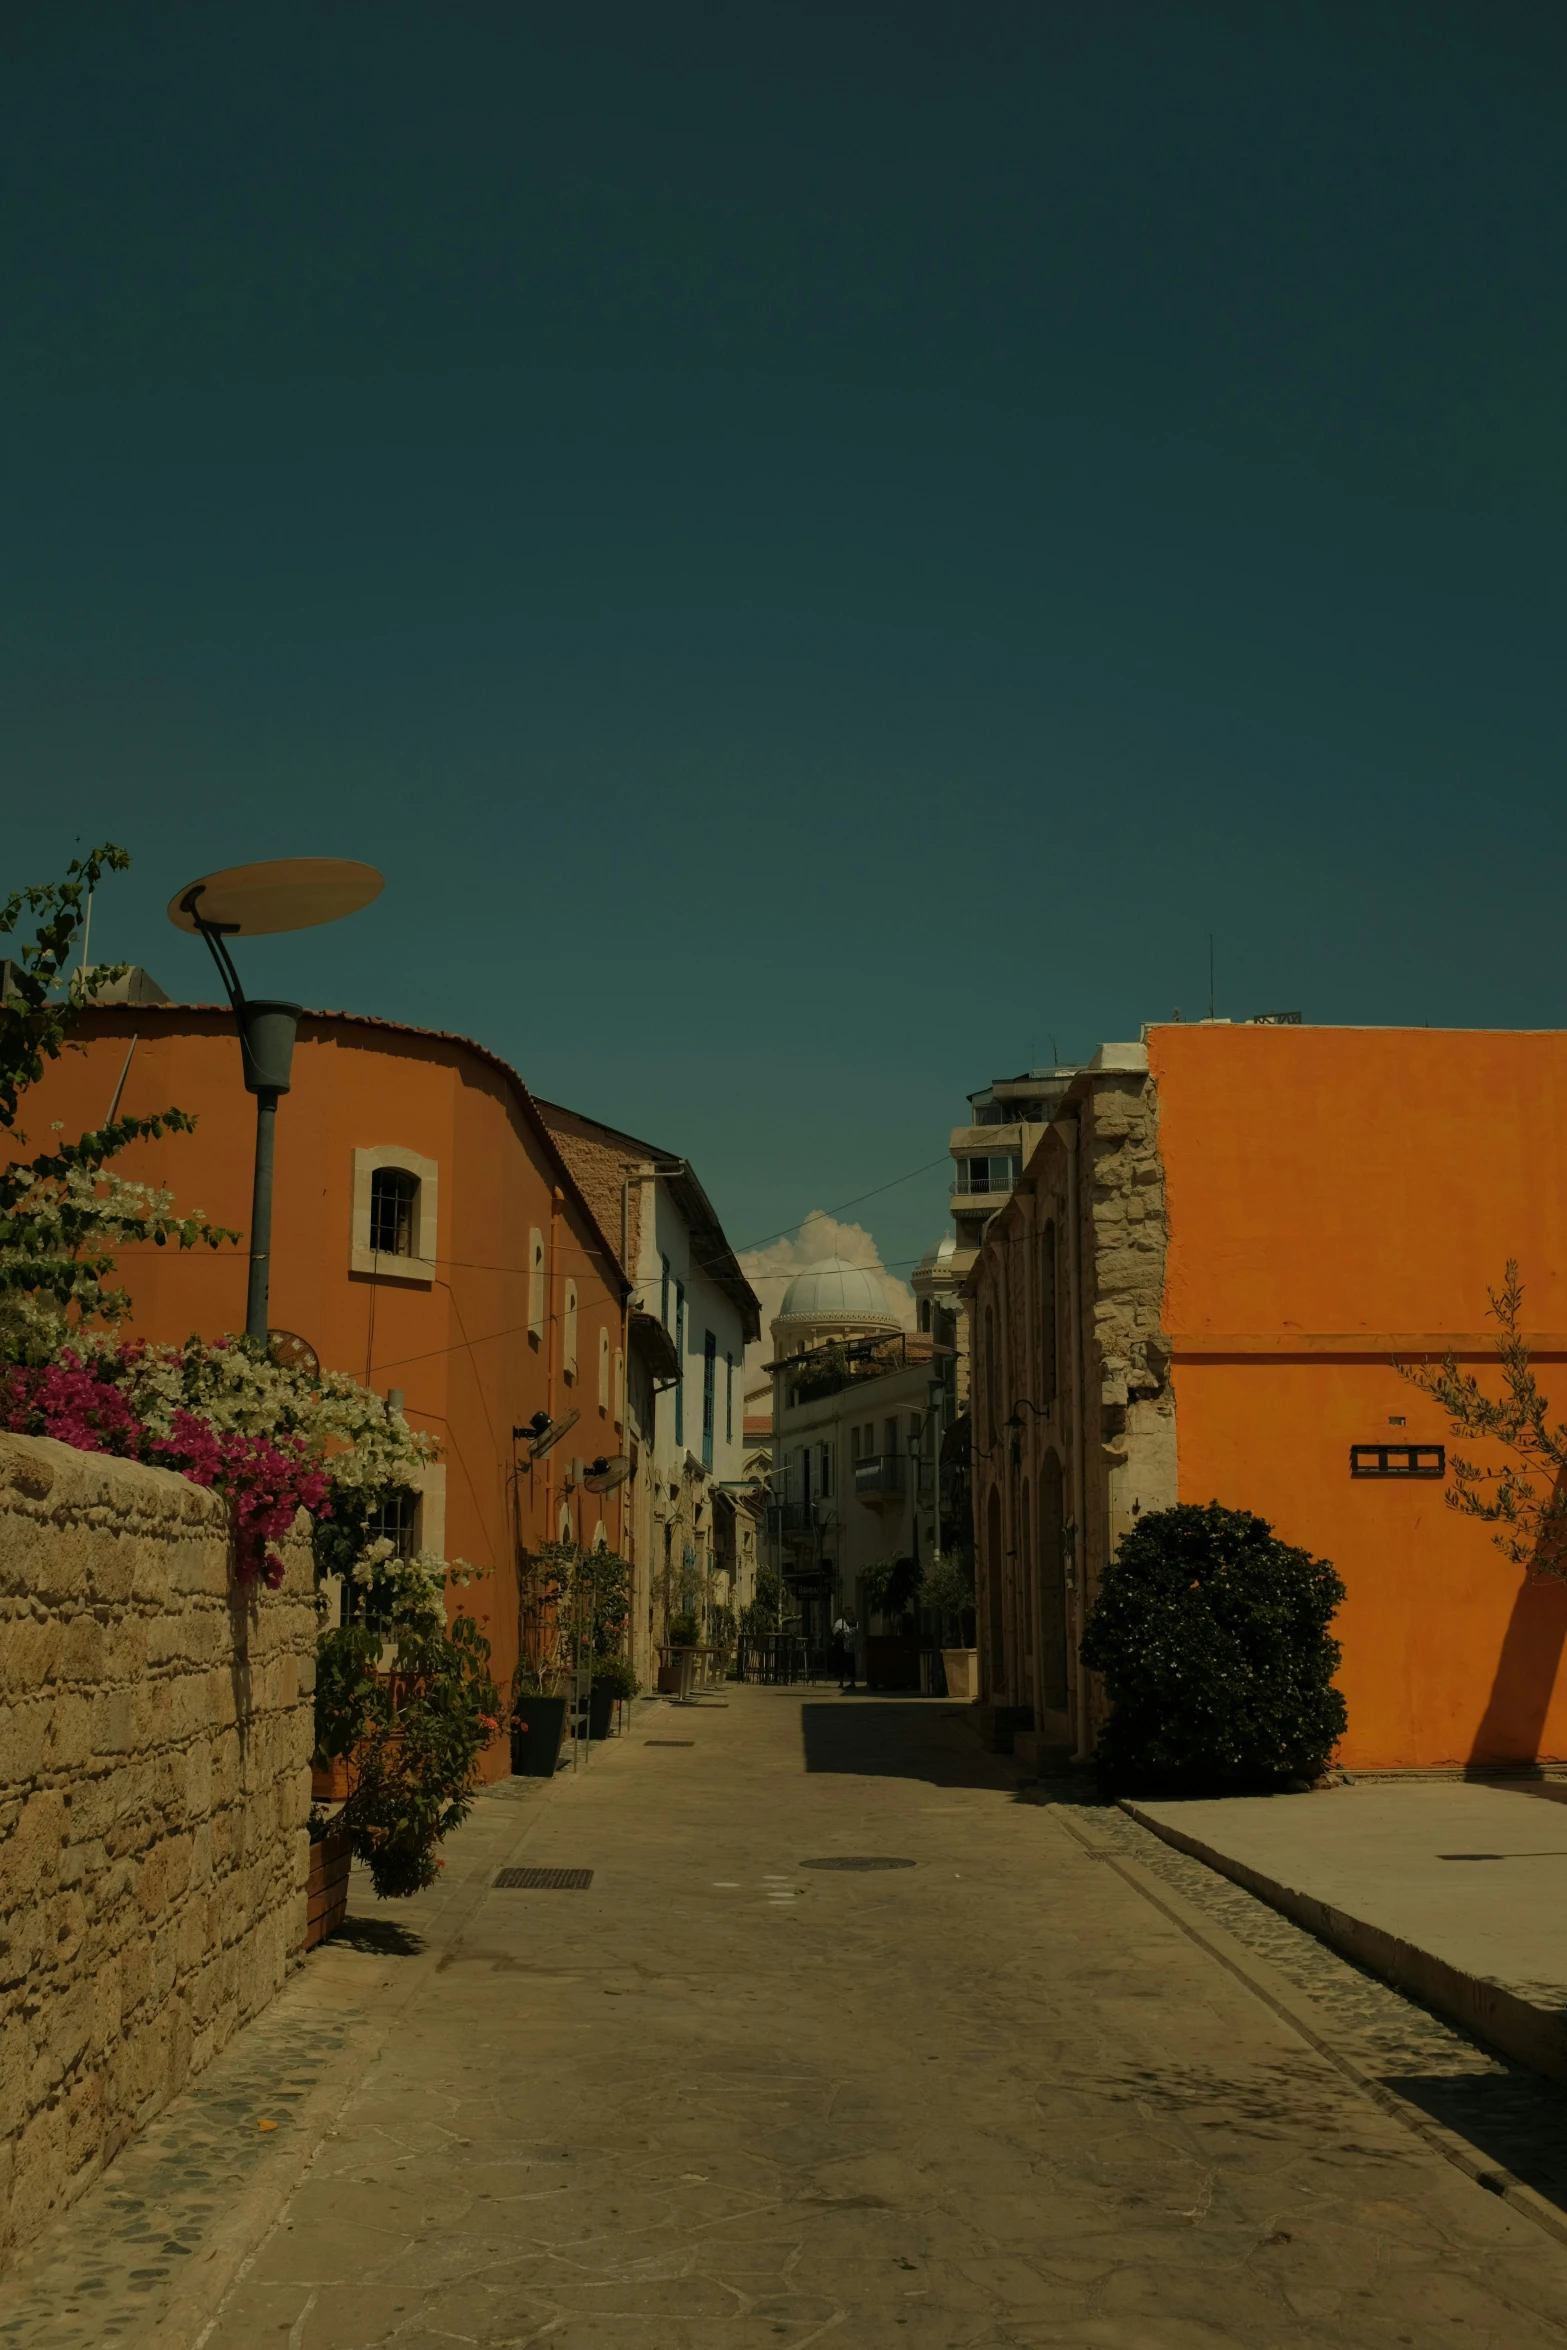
(860, 1862)
(545, 1880)
(669, 1742)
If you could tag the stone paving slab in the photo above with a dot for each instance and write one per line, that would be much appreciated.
(146, 2252)
(994, 2099)
(1455, 1892)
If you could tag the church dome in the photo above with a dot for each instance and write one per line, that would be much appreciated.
(836, 1291)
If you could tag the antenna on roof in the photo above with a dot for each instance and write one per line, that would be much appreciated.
(1210, 974)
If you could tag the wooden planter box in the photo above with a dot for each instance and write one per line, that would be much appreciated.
(329, 1784)
(326, 1890)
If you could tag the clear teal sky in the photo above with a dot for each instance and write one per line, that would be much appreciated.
(822, 547)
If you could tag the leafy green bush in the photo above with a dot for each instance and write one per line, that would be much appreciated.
(888, 1587)
(1212, 1636)
(684, 1632)
(947, 1589)
(773, 1609)
(614, 1673)
(412, 1739)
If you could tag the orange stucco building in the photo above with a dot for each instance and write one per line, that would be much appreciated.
(1222, 1244)
(508, 1298)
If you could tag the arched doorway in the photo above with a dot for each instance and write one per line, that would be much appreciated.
(993, 1588)
(1052, 1586)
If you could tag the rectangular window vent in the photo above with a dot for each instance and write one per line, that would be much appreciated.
(1398, 1460)
(545, 1880)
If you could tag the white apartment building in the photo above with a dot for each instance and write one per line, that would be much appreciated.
(695, 1506)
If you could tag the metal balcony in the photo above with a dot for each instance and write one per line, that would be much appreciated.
(879, 1477)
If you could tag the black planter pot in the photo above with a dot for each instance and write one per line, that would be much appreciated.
(535, 1741)
(601, 1709)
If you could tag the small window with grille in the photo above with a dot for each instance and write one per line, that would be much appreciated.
(395, 1519)
(396, 1214)
(394, 1205)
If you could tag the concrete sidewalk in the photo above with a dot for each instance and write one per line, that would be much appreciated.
(1454, 1891)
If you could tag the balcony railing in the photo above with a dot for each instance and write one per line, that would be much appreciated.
(789, 1517)
(826, 1370)
(879, 1476)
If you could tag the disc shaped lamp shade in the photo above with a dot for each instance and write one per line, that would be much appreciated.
(289, 893)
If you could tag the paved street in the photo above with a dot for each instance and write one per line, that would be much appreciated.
(725, 2098)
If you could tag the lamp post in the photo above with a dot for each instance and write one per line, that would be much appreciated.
(293, 893)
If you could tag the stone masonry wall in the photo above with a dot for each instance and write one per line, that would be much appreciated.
(1132, 1467)
(155, 1732)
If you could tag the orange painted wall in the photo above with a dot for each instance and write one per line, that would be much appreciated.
(460, 1350)
(1366, 1186)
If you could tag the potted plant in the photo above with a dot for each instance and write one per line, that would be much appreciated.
(613, 1680)
(411, 1737)
(674, 1676)
(947, 1591)
(538, 1720)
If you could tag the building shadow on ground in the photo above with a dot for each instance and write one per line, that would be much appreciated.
(381, 1937)
(895, 1737)
(1516, 2119)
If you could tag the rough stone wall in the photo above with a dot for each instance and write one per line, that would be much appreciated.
(1123, 1180)
(598, 1166)
(155, 1732)
(1132, 1467)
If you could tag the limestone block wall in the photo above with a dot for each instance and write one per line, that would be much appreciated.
(155, 1732)
(1126, 1358)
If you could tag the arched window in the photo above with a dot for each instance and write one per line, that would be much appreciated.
(603, 1370)
(394, 1208)
(395, 1214)
(569, 1349)
(924, 1313)
(565, 1521)
(536, 1302)
(1049, 1340)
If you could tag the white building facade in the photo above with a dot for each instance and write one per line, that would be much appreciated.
(695, 1508)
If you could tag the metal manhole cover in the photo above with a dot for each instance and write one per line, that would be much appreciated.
(545, 1880)
(669, 1742)
(860, 1861)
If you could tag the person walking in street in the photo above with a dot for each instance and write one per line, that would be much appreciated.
(845, 1633)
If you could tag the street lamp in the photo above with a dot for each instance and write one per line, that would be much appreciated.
(254, 901)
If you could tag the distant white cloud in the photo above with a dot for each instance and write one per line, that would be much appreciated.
(771, 1269)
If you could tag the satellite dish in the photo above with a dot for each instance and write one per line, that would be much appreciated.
(294, 1353)
(604, 1475)
(541, 1431)
(289, 893)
